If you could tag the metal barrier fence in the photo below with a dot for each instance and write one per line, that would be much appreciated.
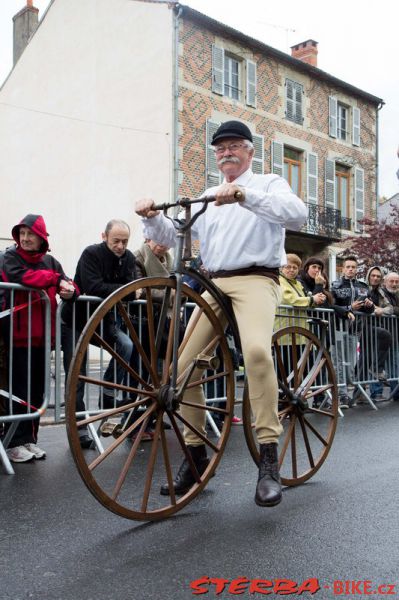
(20, 358)
(365, 352)
(356, 351)
(89, 399)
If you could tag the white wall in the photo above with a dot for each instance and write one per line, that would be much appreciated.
(86, 121)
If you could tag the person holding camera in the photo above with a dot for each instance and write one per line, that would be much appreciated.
(354, 296)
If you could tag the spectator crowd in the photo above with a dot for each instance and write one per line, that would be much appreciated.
(106, 266)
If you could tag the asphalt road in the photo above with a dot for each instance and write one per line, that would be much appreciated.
(58, 543)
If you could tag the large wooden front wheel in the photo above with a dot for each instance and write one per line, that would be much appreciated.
(307, 404)
(124, 472)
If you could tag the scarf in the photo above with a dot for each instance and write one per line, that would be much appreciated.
(153, 267)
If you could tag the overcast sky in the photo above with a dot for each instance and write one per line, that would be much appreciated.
(357, 43)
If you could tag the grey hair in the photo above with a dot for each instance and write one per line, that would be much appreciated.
(391, 273)
(117, 222)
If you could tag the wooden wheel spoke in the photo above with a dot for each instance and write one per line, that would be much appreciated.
(129, 460)
(120, 439)
(295, 361)
(183, 446)
(208, 348)
(312, 376)
(195, 317)
(206, 379)
(307, 443)
(304, 359)
(291, 428)
(319, 390)
(294, 463)
(151, 332)
(284, 412)
(151, 463)
(197, 433)
(119, 359)
(169, 348)
(315, 432)
(168, 468)
(280, 364)
(118, 386)
(136, 342)
(205, 407)
(101, 415)
(320, 411)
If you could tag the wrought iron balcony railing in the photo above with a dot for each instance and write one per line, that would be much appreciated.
(325, 221)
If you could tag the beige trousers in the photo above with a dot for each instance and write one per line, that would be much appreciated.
(254, 299)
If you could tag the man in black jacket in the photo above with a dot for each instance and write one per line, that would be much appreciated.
(101, 269)
(351, 295)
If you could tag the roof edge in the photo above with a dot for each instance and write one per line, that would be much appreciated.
(282, 56)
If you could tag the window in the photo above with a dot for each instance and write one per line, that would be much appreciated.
(293, 101)
(292, 169)
(287, 162)
(233, 76)
(342, 122)
(342, 187)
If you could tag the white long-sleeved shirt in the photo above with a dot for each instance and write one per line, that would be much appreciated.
(239, 235)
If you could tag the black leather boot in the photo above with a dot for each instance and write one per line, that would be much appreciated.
(185, 479)
(268, 489)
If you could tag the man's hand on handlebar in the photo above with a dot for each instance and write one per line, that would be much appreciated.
(144, 208)
(229, 193)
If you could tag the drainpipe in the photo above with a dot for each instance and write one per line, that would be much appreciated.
(175, 141)
(377, 182)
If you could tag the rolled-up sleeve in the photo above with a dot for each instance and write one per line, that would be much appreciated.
(160, 230)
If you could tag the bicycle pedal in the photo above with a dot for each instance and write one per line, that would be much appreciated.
(109, 428)
(203, 361)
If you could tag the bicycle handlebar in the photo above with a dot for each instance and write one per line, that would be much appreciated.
(185, 202)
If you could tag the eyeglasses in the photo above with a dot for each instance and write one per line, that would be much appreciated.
(230, 147)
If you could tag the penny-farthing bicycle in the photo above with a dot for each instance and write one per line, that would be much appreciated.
(127, 474)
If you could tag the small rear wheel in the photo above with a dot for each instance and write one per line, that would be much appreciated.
(307, 405)
(124, 472)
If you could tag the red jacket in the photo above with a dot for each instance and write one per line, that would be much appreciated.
(36, 270)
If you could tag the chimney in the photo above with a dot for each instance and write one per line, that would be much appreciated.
(26, 22)
(306, 51)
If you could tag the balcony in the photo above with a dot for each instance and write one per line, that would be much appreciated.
(326, 222)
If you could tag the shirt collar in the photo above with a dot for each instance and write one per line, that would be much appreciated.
(243, 179)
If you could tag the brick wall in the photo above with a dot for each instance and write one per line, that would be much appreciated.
(198, 103)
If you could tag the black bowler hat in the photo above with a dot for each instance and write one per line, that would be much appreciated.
(232, 129)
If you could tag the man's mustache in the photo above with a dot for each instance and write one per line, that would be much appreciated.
(226, 159)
